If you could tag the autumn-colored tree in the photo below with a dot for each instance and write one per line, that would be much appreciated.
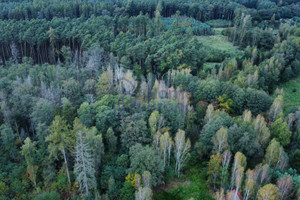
(214, 168)
(225, 103)
(268, 192)
(239, 163)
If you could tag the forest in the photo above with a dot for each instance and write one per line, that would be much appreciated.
(149, 99)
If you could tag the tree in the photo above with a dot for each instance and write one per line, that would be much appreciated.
(268, 192)
(29, 151)
(272, 153)
(214, 168)
(238, 166)
(220, 140)
(165, 146)
(276, 108)
(226, 157)
(153, 122)
(295, 160)
(134, 129)
(249, 187)
(96, 146)
(84, 164)
(68, 111)
(182, 148)
(43, 112)
(262, 132)
(220, 119)
(105, 84)
(60, 140)
(285, 187)
(144, 191)
(111, 140)
(209, 113)
(279, 130)
(145, 158)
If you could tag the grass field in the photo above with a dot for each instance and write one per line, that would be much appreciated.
(291, 94)
(219, 42)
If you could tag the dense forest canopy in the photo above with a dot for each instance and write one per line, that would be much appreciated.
(156, 99)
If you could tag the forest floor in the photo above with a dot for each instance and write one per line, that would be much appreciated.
(291, 94)
(191, 184)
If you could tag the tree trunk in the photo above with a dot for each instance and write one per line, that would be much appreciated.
(66, 162)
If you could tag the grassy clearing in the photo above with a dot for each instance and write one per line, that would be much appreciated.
(220, 43)
(192, 184)
(291, 94)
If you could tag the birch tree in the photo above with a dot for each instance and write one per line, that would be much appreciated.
(285, 187)
(262, 132)
(165, 144)
(239, 161)
(182, 148)
(249, 185)
(276, 108)
(220, 140)
(84, 164)
(209, 113)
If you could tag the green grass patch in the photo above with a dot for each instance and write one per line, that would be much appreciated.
(220, 42)
(192, 184)
(219, 23)
(291, 94)
(218, 46)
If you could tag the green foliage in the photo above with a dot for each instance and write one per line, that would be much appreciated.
(279, 130)
(219, 120)
(145, 158)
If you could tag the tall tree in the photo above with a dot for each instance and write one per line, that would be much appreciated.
(111, 140)
(285, 187)
(272, 153)
(60, 140)
(182, 148)
(220, 140)
(239, 163)
(29, 151)
(214, 168)
(84, 164)
(276, 108)
(165, 147)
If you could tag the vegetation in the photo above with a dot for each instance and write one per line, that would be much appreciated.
(135, 99)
